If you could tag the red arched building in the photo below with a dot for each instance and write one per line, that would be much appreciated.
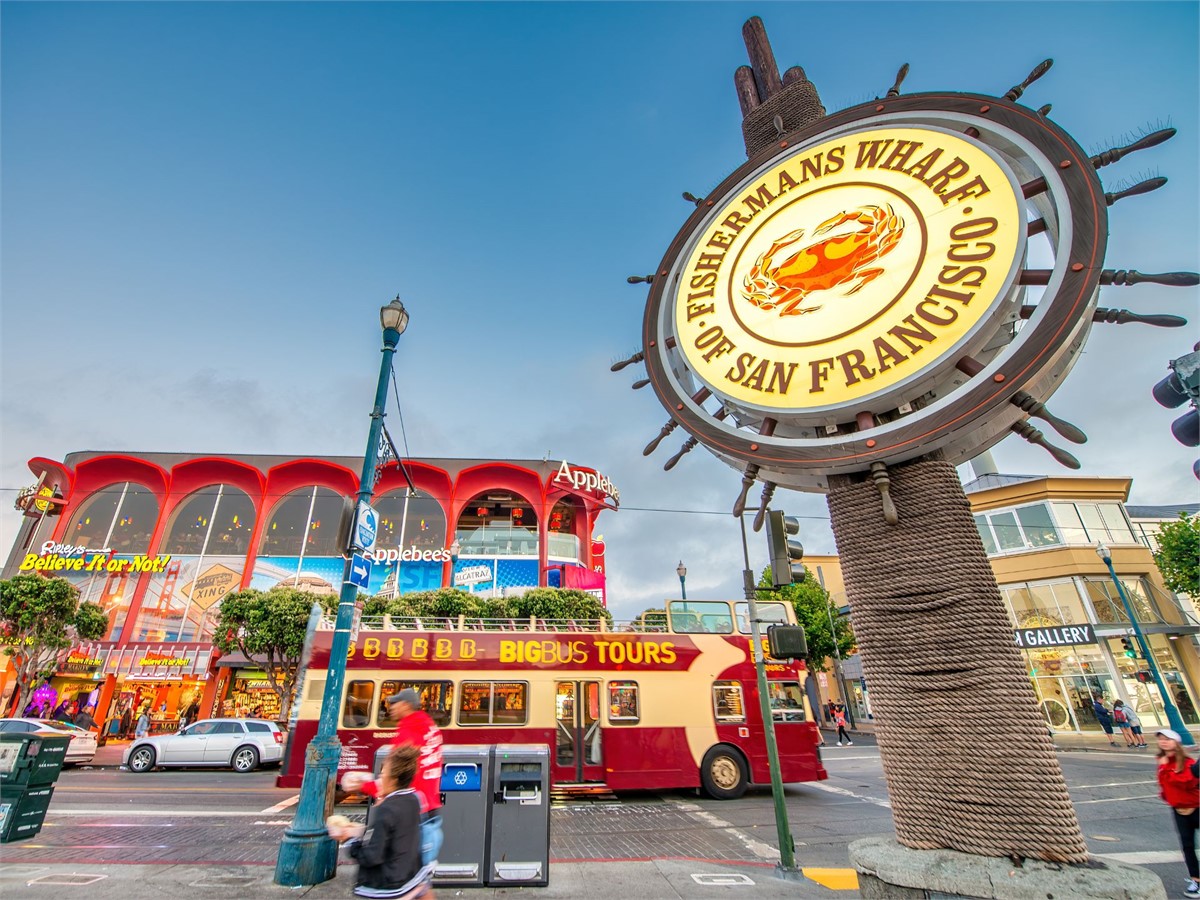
(157, 539)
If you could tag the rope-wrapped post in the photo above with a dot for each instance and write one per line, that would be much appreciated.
(968, 759)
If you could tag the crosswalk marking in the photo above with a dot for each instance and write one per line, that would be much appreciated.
(834, 879)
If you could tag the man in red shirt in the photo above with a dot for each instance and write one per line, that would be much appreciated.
(414, 727)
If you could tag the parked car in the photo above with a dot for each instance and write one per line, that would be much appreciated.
(243, 744)
(82, 747)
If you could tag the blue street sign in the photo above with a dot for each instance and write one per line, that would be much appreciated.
(360, 570)
(366, 525)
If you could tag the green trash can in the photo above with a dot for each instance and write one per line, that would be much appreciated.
(29, 767)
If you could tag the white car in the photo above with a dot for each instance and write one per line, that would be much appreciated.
(81, 749)
(243, 744)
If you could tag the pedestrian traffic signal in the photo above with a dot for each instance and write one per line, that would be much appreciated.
(1127, 648)
(1180, 387)
(786, 642)
(1144, 677)
(785, 554)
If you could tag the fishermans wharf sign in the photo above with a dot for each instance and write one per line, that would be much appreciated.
(859, 293)
(848, 266)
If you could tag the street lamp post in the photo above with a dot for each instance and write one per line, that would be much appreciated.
(1173, 717)
(307, 855)
(681, 571)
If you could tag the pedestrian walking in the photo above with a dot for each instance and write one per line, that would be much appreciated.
(143, 724)
(1120, 715)
(839, 719)
(83, 719)
(126, 722)
(414, 728)
(1179, 785)
(388, 851)
(1104, 717)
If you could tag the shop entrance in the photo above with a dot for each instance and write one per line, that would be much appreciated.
(577, 755)
(1066, 700)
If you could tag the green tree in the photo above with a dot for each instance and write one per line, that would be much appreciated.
(558, 603)
(814, 610)
(269, 627)
(39, 618)
(1178, 554)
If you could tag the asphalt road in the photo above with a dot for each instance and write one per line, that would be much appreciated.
(217, 816)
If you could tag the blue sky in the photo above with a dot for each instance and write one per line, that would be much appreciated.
(203, 206)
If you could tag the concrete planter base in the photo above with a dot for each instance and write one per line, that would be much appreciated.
(889, 871)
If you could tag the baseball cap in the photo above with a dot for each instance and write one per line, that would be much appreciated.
(409, 696)
(1168, 733)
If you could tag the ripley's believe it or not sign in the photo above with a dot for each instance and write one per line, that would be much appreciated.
(857, 292)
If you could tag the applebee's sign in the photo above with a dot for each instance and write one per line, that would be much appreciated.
(586, 480)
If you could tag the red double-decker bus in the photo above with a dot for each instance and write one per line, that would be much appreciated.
(671, 703)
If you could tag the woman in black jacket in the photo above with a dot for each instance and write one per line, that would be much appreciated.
(388, 852)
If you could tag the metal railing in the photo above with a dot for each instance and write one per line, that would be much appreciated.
(475, 623)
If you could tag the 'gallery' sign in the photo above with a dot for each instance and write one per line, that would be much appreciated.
(1061, 636)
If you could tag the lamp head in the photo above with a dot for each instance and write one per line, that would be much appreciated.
(394, 316)
(454, 550)
(681, 569)
(1102, 551)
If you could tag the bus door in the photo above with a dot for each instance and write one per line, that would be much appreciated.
(577, 726)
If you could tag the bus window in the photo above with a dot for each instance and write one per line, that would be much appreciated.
(769, 613)
(356, 713)
(727, 701)
(437, 697)
(623, 703)
(787, 701)
(700, 617)
(493, 703)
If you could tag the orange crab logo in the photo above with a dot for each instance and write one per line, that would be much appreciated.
(840, 258)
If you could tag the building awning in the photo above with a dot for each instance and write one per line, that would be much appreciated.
(160, 662)
(236, 660)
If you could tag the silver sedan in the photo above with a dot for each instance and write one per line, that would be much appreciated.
(242, 744)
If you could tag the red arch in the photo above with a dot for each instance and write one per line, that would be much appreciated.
(100, 472)
(499, 476)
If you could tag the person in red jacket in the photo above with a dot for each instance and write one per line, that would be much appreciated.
(1179, 784)
(414, 727)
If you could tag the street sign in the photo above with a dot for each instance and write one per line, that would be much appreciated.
(360, 570)
(366, 526)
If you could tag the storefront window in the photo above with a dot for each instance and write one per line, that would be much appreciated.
(497, 523)
(564, 541)
(417, 521)
(120, 517)
(1108, 606)
(1022, 528)
(213, 520)
(305, 523)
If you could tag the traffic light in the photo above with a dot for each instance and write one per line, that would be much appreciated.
(1180, 387)
(785, 554)
(1127, 648)
(1144, 677)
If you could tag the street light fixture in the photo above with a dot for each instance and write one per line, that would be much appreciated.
(681, 571)
(1173, 717)
(307, 854)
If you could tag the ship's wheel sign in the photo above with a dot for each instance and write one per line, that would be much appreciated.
(860, 292)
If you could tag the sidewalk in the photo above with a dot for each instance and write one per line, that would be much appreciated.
(1064, 741)
(634, 880)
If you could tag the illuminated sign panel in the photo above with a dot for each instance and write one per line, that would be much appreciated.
(847, 267)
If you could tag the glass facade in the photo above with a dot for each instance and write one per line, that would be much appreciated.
(1067, 678)
(120, 517)
(415, 521)
(1036, 526)
(497, 523)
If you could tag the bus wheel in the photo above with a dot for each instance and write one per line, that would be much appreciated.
(723, 773)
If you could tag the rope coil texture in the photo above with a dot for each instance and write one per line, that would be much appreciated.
(797, 103)
(967, 757)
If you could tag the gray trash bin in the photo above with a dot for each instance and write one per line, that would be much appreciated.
(466, 793)
(519, 843)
